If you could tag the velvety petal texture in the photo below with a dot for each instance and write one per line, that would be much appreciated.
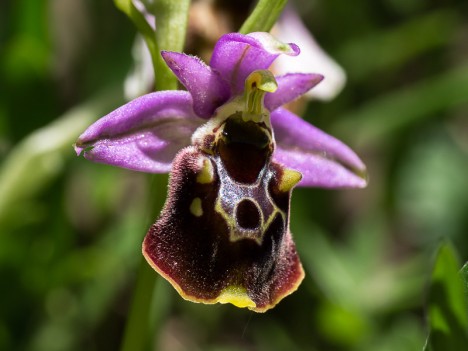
(210, 255)
(235, 56)
(207, 88)
(323, 160)
(143, 135)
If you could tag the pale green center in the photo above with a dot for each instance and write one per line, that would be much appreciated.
(256, 85)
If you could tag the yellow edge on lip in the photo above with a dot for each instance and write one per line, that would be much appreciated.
(232, 294)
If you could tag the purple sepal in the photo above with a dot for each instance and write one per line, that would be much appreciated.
(208, 90)
(235, 56)
(323, 160)
(290, 87)
(144, 134)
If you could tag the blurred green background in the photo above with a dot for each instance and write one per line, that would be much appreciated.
(71, 230)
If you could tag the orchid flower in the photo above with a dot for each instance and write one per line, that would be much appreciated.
(234, 155)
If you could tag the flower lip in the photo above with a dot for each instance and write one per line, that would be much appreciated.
(255, 257)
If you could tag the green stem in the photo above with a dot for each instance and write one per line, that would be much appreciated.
(143, 317)
(171, 30)
(146, 310)
(136, 331)
(263, 17)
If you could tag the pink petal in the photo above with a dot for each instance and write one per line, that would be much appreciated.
(235, 56)
(143, 135)
(290, 87)
(323, 160)
(208, 90)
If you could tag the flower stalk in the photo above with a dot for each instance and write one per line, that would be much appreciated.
(170, 35)
(264, 16)
(137, 330)
(171, 30)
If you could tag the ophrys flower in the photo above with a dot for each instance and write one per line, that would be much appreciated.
(235, 154)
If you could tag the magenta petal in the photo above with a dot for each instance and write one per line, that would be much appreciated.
(290, 87)
(323, 160)
(208, 90)
(143, 135)
(235, 56)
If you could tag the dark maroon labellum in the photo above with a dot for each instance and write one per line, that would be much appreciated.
(223, 235)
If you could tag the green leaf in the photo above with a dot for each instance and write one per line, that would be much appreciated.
(447, 308)
(464, 275)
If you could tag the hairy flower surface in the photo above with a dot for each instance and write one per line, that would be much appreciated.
(235, 154)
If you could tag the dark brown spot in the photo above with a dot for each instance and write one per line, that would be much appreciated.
(236, 131)
(247, 214)
(245, 149)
